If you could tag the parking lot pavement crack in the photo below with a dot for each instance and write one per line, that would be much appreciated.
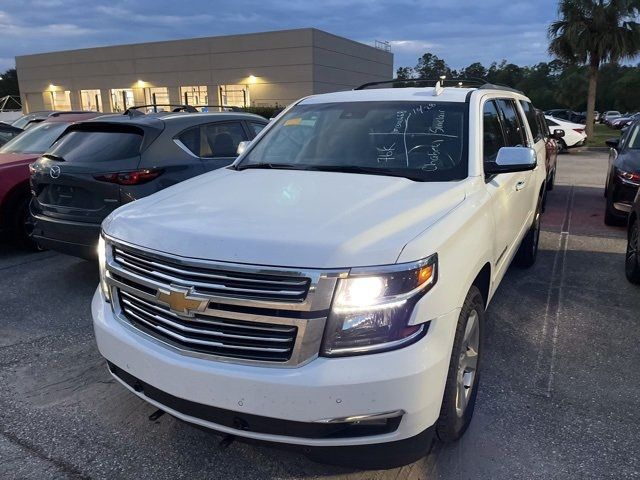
(545, 363)
(40, 258)
(63, 466)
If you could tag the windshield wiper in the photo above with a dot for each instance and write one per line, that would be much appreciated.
(52, 156)
(271, 166)
(367, 170)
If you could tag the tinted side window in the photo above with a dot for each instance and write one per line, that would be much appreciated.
(513, 130)
(256, 127)
(191, 139)
(493, 138)
(87, 146)
(221, 139)
(530, 114)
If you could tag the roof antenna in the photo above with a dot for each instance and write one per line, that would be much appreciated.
(439, 88)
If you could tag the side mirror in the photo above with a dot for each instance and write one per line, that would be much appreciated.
(512, 159)
(558, 133)
(242, 146)
(613, 142)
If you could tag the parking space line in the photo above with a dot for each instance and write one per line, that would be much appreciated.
(545, 363)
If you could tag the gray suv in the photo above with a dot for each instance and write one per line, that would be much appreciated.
(97, 166)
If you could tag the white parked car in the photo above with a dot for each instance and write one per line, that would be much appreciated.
(609, 116)
(329, 289)
(574, 133)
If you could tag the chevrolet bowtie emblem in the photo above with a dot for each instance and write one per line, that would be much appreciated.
(180, 301)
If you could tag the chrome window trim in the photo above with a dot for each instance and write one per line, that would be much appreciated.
(179, 143)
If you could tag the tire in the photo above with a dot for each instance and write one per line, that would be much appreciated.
(632, 259)
(610, 217)
(23, 226)
(528, 250)
(552, 181)
(461, 388)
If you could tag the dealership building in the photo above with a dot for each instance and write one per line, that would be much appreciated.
(258, 69)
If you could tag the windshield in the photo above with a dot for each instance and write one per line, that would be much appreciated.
(424, 141)
(634, 138)
(35, 140)
(97, 146)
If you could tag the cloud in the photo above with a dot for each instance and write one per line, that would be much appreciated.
(461, 31)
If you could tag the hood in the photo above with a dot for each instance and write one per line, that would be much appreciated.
(286, 218)
(13, 159)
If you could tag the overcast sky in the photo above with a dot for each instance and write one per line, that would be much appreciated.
(460, 31)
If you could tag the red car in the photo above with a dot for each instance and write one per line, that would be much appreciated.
(15, 157)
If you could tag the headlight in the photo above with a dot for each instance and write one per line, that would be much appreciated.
(102, 262)
(372, 307)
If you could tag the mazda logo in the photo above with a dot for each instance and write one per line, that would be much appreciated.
(54, 172)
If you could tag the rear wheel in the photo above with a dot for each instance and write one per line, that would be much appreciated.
(461, 388)
(528, 251)
(552, 181)
(632, 263)
(24, 224)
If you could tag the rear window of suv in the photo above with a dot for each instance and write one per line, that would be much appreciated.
(423, 141)
(35, 140)
(97, 146)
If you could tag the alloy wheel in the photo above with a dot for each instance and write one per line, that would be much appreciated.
(467, 363)
(633, 261)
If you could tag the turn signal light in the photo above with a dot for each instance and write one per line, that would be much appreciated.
(137, 177)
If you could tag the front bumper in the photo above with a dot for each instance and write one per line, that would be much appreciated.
(196, 390)
(72, 238)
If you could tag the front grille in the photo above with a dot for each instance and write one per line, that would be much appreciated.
(215, 282)
(211, 335)
(236, 312)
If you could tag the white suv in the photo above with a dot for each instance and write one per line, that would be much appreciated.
(329, 288)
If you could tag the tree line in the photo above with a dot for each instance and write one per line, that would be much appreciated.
(9, 83)
(554, 84)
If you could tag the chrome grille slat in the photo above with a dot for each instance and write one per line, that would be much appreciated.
(211, 321)
(181, 271)
(205, 342)
(232, 312)
(209, 286)
(200, 331)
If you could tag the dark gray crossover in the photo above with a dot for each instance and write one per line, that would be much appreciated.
(97, 166)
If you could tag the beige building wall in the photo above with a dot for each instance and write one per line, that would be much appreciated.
(275, 67)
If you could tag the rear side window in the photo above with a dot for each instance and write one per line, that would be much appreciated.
(214, 140)
(530, 114)
(493, 138)
(257, 127)
(97, 146)
(512, 124)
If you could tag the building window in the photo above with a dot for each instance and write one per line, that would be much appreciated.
(121, 99)
(61, 100)
(235, 95)
(196, 96)
(156, 96)
(91, 100)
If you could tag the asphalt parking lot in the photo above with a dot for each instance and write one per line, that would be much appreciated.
(559, 394)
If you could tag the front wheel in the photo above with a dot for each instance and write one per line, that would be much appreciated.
(632, 262)
(461, 389)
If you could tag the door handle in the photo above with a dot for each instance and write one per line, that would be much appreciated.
(520, 185)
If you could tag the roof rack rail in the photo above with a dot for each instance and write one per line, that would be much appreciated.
(135, 110)
(69, 112)
(425, 82)
(227, 108)
(464, 82)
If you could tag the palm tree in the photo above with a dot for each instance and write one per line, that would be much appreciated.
(592, 32)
